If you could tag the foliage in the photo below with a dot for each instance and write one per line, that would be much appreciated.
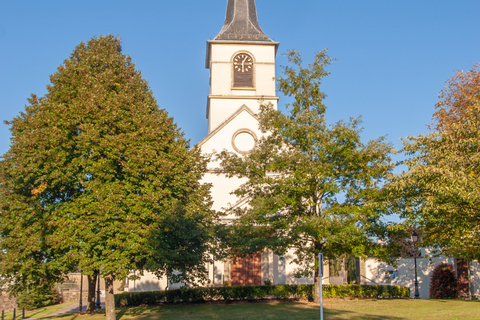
(37, 297)
(99, 178)
(443, 283)
(365, 291)
(257, 292)
(311, 186)
(440, 190)
(460, 94)
(399, 244)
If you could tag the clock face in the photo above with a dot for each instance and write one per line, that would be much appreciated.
(243, 62)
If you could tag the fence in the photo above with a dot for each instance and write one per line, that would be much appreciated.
(14, 314)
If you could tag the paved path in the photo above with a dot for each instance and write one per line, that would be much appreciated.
(72, 308)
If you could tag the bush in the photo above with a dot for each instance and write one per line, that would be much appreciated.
(34, 298)
(257, 292)
(443, 283)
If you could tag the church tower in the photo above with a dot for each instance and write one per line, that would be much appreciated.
(241, 59)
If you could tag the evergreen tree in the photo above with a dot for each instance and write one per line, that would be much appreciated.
(99, 179)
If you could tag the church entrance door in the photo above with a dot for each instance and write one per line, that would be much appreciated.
(247, 271)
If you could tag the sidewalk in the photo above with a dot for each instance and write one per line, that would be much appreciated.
(72, 308)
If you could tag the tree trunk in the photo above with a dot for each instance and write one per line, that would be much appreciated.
(109, 298)
(316, 293)
(92, 280)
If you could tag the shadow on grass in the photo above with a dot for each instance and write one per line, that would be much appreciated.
(135, 312)
(33, 313)
(454, 300)
(120, 313)
(334, 310)
(243, 311)
(99, 314)
(28, 313)
(70, 316)
(344, 314)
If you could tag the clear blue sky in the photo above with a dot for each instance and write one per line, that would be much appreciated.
(393, 56)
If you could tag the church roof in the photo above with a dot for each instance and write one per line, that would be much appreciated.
(241, 23)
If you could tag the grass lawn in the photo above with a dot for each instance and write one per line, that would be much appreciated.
(40, 312)
(333, 309)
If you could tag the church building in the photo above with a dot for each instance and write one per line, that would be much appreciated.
(241, 60)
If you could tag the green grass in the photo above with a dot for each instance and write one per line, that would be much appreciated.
(40, 312)
(334, 309)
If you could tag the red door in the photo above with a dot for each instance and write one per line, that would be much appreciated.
(247, 271)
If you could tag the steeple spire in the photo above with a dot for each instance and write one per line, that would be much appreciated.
(241, 23)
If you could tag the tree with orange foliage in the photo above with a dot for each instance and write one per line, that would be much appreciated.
(440, 192)
(461, 94)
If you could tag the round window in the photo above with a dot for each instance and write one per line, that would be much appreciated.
(244, 141)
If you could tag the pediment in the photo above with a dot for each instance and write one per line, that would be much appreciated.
(241, 124)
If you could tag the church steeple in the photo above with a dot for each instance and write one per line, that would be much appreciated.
(241, 59)
(241, 23)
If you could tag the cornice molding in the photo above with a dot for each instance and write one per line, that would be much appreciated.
(244, 97)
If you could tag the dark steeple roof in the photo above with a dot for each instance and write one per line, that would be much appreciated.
(241, 23)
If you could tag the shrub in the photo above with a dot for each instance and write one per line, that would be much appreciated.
(34, 298)
(443, 283)
(284, 291)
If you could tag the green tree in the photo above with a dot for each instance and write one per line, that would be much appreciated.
(99, 179)
(439, 191)
(311, 186)
(39, 296)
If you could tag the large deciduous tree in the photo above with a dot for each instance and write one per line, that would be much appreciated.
(99, 179)
(311, 186)
(440, 190)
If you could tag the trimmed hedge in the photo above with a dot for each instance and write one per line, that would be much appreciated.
(257, 292)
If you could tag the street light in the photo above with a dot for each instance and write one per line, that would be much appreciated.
(97, 305)
(414, 240)
(81, 289)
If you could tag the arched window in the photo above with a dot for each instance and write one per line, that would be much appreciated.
(242, 71)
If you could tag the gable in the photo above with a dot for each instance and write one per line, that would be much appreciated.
(236, 134)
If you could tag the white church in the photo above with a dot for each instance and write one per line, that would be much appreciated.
(241, 60)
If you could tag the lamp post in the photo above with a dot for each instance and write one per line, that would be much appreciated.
(414, 240)
(320, 280)
(81, 289)
(97, 305)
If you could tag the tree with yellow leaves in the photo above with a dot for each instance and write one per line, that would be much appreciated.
(440, 190)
